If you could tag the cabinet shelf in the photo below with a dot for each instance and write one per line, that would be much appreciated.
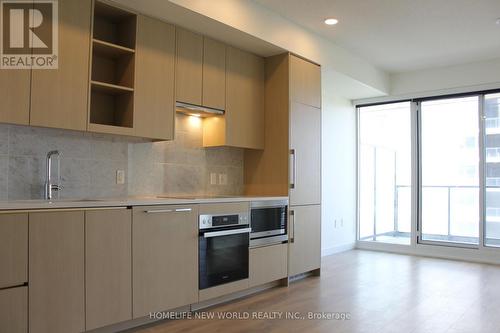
(110, 50)
(110, 89)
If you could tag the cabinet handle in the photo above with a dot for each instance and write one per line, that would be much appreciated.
(158, 211)
(293, 155)
(292, 219)
(183, 210)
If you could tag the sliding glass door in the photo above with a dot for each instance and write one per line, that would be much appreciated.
(385, 173)
(449, 157)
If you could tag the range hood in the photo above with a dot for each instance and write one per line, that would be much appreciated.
(196, 110)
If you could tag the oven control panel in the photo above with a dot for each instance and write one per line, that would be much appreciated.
(215, 221)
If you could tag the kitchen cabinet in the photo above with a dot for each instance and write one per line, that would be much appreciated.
(56, 272)
(305, 239)
(15, 96)
(267, 264)
(188, 71)
(305, 151)
(243, 123)
(165, 258)
(154, 112)
(108, 267)
(13, 250)
(305, 82)
(59, 97)
(14, 310)
(214, 74)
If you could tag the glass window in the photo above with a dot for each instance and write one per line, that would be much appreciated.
(450, 170)
(385, 173)
(492, 173)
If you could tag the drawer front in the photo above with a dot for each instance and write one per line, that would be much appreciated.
(267, 264)
(13, 249)
(14, 310)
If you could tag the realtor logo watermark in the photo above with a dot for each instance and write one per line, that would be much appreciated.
(29, 34)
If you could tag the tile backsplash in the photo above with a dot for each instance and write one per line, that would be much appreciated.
(89, 163)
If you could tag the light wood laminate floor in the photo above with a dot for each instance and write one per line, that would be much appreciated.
(382, 292)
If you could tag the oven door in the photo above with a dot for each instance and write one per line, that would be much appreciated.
(268, 221)
(223, 255)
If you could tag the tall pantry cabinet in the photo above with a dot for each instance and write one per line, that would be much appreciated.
(290, 164)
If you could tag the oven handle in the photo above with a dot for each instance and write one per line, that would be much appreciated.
(226, 232)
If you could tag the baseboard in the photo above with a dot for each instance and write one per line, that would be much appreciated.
(338, 249)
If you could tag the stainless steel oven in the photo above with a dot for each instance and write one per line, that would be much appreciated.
(268, 220)
(223, 248)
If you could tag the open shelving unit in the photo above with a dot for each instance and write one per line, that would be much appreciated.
(113, 70)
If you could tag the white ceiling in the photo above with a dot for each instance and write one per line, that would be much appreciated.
(403, 35)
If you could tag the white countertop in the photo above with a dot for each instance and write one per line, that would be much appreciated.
(123, 202)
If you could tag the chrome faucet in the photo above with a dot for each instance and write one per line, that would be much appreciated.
(49, 187)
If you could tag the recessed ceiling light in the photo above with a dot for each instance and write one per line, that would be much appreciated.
(331, 21)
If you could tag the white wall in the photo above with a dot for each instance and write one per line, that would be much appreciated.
(338, 171)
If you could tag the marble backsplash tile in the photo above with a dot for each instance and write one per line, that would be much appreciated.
(89, 163)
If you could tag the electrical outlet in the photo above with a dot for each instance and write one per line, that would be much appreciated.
(213, 178)
(120, 177)
(222, 179)
(342, 222)
(335, 223)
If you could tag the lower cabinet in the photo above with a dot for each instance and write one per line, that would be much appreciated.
(305, 239)
(108, 267)
(14, 310)
(13, 249)
(56, 272)
(268, 263)
(165, 258)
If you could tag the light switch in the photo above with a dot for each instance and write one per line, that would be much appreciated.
(213, 178)
(120, 177)
(222, 178)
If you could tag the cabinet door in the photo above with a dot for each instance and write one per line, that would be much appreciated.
(305, 239)
(214, 74)
(305, 150)
(155, 66)
(13, 249)
(108, 267)
(305, 82)
(268, 263)
(188, 70)
(244, 99)
(15, 96)
(59, 97)
(165, 258)
(56, 272)
(14, 310)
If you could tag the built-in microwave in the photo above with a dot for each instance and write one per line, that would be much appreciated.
(268, 220)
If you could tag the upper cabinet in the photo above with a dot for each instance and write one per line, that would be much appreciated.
(112, 77)
(59, 96)
(15, 96)
(214, 74)
(189, 72)
(154, 112)
(305, 82)
(243, 123)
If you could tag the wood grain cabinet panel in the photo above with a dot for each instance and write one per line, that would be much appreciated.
(56, 272)
(188, 71)
(214, 74)
(244, 119)
(267, 264)
(305, 142)
(14, 310)
(165, 258)
(305, 239)
(13, 249)
(59, 97)
(154, 112)
(15, 96)
(305, 82)
(108, 267)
